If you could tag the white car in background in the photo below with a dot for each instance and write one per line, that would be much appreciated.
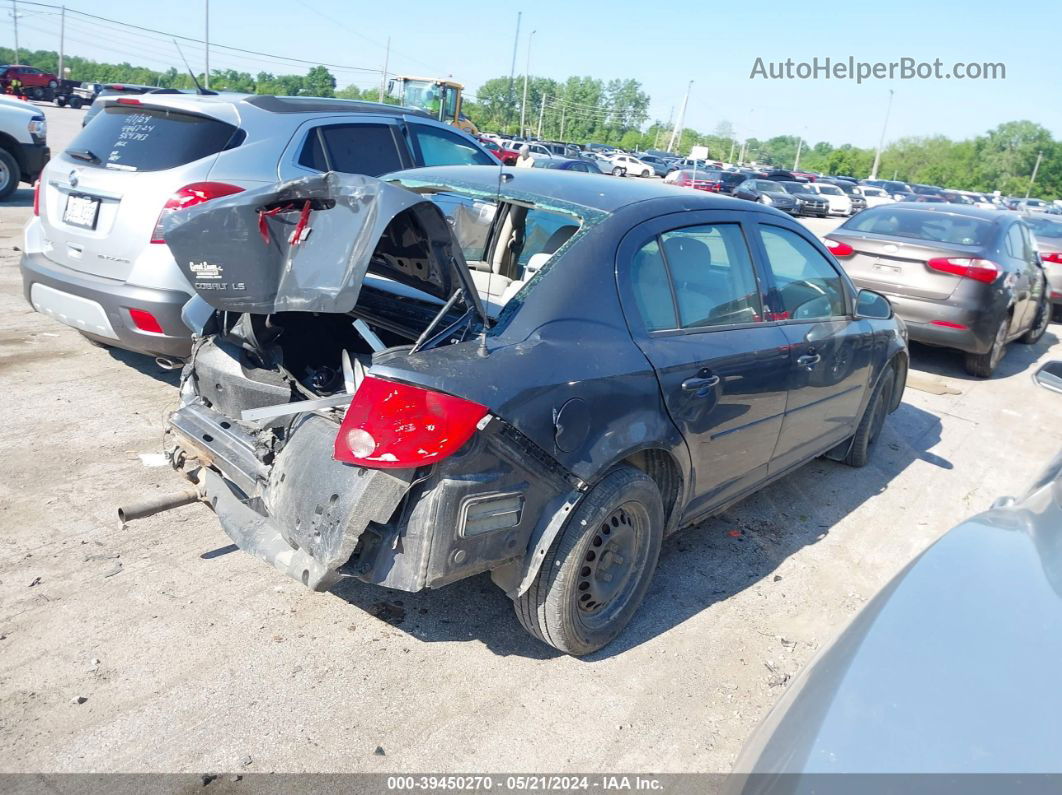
(838, 200)
(631, 165)
(876, 196)
(535, 149)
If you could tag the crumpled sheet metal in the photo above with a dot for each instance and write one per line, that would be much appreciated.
(221, 248)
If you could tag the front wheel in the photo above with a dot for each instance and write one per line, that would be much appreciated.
(9, 174)
(596, 572)
(1039, 326)
(75, 102)
(872, 421)
(617, 172)
(37, 92)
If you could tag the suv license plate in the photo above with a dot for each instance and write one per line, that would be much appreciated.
(81, 211)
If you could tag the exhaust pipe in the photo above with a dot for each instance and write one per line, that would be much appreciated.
(168, 364)
(140, 509)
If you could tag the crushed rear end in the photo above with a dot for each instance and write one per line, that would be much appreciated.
(322, 413)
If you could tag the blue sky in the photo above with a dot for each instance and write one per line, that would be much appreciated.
(712, 43)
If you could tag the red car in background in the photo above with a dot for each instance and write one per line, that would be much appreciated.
(701, 180)
(35, 82)
(506, 156)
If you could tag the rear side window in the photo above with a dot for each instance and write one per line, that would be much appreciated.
(704, 271)
(368, 149)
(923, 225)
(443, 148)
(137, 138)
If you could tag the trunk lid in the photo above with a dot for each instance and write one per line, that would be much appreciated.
(898, 267)
(306, 245)
(101, 198)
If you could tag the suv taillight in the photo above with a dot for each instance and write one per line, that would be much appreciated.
(1054, 256)
(398, 426)
(190, 196)
(980, 270)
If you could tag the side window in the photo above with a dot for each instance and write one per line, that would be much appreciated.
(712, 275)
(652, 288)
(809, 286)
(440, 147)
(1015, 242)
(353, 149)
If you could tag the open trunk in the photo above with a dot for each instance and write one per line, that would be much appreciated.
(311, 281)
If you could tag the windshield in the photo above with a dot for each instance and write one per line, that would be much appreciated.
(1044, 227)
(831, 190)
(898, 187)
(939, 227)
(795, 187)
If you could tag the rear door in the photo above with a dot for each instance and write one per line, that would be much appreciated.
(1017, 247)
(695, 308)
(102, 197)
(829, 350)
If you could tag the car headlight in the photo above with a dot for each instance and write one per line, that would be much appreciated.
(37, 127)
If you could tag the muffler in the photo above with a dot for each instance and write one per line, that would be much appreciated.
(168, 364)
(139, 509)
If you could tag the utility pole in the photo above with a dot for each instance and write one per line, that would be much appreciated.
(730, 157)
(741, 154)
(527, 69)
(1039, 157)
(676, 134)
(881, 141)
(62, 35)
(564, 109)
(206, 45)
(387, 58)
(800, 143)
(541, 113)
(512, 71)
(14, 17)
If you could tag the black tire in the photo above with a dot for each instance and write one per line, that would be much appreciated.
(1040, 322)
(617, 172)
(623, 513)
(983, 365)
(37, 92)
(10, 175)
(1056, 313)
(75, 103)
(872, 421)
(53, 85)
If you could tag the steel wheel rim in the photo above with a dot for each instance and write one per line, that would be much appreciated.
(614, 558)
(5, 175)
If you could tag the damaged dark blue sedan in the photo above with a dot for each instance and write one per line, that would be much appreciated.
(456, 370)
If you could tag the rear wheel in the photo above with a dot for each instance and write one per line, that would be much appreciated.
(596, 572)
(75, 102)
(617, 172)
(872, 421)
(9, 175)
(984, 364)
(1039, 326)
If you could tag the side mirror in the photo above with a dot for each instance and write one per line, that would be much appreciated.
(870, 304)
(1049, 376)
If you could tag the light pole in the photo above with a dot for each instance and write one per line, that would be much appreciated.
(527, 69)
(206, 45)
(676, 134)
(14, 16)
(881, 142)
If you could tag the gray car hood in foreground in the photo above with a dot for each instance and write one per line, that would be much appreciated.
(955, 667)
(240, 254)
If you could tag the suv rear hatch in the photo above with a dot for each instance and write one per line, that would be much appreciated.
(101, 199)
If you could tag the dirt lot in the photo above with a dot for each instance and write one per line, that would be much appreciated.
(187, 655)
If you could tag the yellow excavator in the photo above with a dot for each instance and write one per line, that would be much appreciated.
(441, 97)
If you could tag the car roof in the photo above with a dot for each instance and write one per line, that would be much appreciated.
(596, 191)
(271, 104)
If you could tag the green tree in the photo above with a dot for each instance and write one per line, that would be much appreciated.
(319, 82)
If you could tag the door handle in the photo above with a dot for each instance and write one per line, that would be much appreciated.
(697, 384)
(809, 360)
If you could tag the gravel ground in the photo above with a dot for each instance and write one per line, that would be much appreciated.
(157, 647)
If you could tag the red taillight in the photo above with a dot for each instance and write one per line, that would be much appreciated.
(127, 101)
(37, 197)
(839, 249)
(397, 426)
(190, 196)
(1054, 256)
(145, 321)
(947, 324)
(981, 270)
